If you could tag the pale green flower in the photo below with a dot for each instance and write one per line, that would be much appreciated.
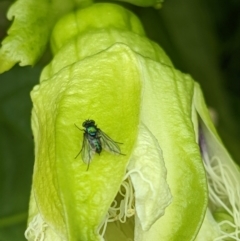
(175, 168)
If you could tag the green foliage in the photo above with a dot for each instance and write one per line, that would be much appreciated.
(16, 150)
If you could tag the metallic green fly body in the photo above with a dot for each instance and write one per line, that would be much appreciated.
(94, 140)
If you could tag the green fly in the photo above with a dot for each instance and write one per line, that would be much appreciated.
(94, 140)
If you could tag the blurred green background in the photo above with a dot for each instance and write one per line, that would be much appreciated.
(201, 37)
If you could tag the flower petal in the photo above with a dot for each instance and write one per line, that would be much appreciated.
(71, 200)
(209, 229)
(148, 175)
(167, 111)
(223, 174)
(74, 36)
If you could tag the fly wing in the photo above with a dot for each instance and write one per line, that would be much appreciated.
(109, 144)
(87, 152)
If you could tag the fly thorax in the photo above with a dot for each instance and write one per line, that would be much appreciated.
(92, 131)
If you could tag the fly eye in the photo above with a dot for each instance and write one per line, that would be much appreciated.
(85, 123)
(88, 122)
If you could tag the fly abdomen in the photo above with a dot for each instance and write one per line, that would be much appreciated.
(95, 144)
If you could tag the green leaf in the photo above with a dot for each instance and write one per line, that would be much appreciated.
(145, 3)
(32, 24)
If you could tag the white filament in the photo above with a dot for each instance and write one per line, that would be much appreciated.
(36, 229)
(224, 192)
(117, 212)
(122, 210)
